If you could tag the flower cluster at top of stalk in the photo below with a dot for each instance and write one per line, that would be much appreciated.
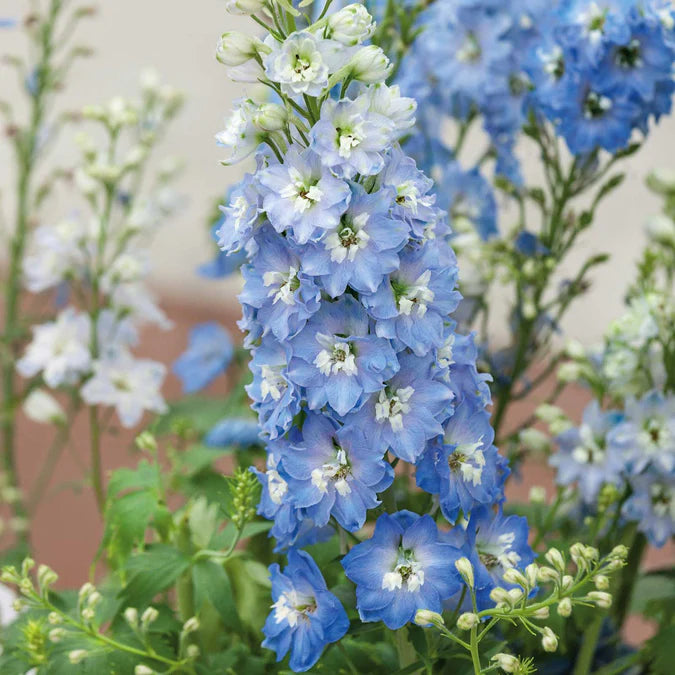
(347, 302)
(624, 450)
(95, 260)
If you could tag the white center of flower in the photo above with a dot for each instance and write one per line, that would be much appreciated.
(302, 195)
(408, 196)
(663, 500)
(335, 357)
(284, 285)
(292, 606)
(348, 139)
(470, 51)
(654, 436)
(276, 486)
(596, 105)
(393, 406)
(407, 570)
(500, 552)
(273, 382)
(469, 460)
(345, 242)
(338, 471)
(302, 64)
(239, 207)
(235, 129)
(590, 450)
(417, 296)
(445, 355)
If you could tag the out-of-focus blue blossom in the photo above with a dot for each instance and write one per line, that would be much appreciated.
(529, 244)
(652, 505)
(234, 431)
(403, 567)
(7, 22)
(584, 455)
(207, 356)
(305, 616)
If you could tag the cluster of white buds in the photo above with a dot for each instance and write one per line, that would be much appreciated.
(512, 664)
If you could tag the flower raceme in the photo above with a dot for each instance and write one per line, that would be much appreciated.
(347, 301)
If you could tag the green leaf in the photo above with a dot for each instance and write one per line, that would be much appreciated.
(152, 572)
(661, 649)
(212, 585)
(202, 412)
(143, 477)
(654, 594)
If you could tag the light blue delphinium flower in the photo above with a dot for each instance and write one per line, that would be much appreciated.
(407, 411)
(302, 196)
(234, 431)
(284, 296)
(361, 249)
(584, 455)
(646, 437)
(413, 304)
(462, 467)
(275, 398)
(404, 567)
(337, 472)
(208, 355)
(240, 215)
(652, 506)
(336, 360)
(305, 616)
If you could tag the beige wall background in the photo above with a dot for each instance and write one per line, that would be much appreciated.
(178, 38)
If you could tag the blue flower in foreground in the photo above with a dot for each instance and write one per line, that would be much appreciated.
(652, 506)
(584, 455)
(362, 248)
(404, 567)
(500, 543)
(243, 433)
(462, 469)
(337, 473)
(305, 615)
(406, 412)
(208, 354)
(303, 196)
(335, 358)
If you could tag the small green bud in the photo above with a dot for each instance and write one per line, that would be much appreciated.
(467, 621)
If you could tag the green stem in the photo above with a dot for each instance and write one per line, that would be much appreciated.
(406, 651)
(475, 656)
(584, 662)
(95, 451)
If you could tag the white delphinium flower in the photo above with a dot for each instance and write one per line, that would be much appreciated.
(135, 300)
(42, 407)
(130, 385)
(350, 25)
(240, 134)
(235, 48)
(59, 349)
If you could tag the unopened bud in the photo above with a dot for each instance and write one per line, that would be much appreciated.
(600, 598)
(531, 572)
(244, 6)
(424, 617)
(548, 413)
(465, 568)
(191, 625)
(566, 582)
(56, 634)
(565, 607)
(549, 640)
(192, 651)
(569, 372)
(548, 574)
(350, 25)
(467, 621)
(542, 613)
(42, 407)
(507, 662)
(601, 582)
(537, 494)
(140, 669)
(149, 616)
(500, 595)
(46, 577)
(554, 557)
(514, 576)
(535, 440)
(77, 656)
(131, 616)
(270, 117)
(370, 65)
(235, 48)
(85, 591)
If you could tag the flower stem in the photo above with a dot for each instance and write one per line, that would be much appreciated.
(584, 661)
(475, 656)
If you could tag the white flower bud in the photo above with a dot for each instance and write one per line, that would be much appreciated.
(350, 25)
(140, 669)
(601, 582)
(88, 614)
(558, 426)
(270, 117)
(191, 625)
(549, 640)
(150, 80)
(465, 568)
(424, 617)
(42, 407)
(565, 607)
(54, 619)
(575, 350)
(548, 413)
(529, 310)
(77, 656)
(244, 6)
(600, 598)
(85, 591)
(235, 48)
(566, 582)
(541, 614)
(569, 372)
(149, 616)
(507, 662)
(500, 594)
(56, 634)
(661, 229)
(467, 621)
(514, 576)
(192, 651)
(662, 180)
(515, 595)
(532, 572)
(131, 616)
(535, 440)
(554, 556)
(619, 552)
(548, 574)
(370, 65)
